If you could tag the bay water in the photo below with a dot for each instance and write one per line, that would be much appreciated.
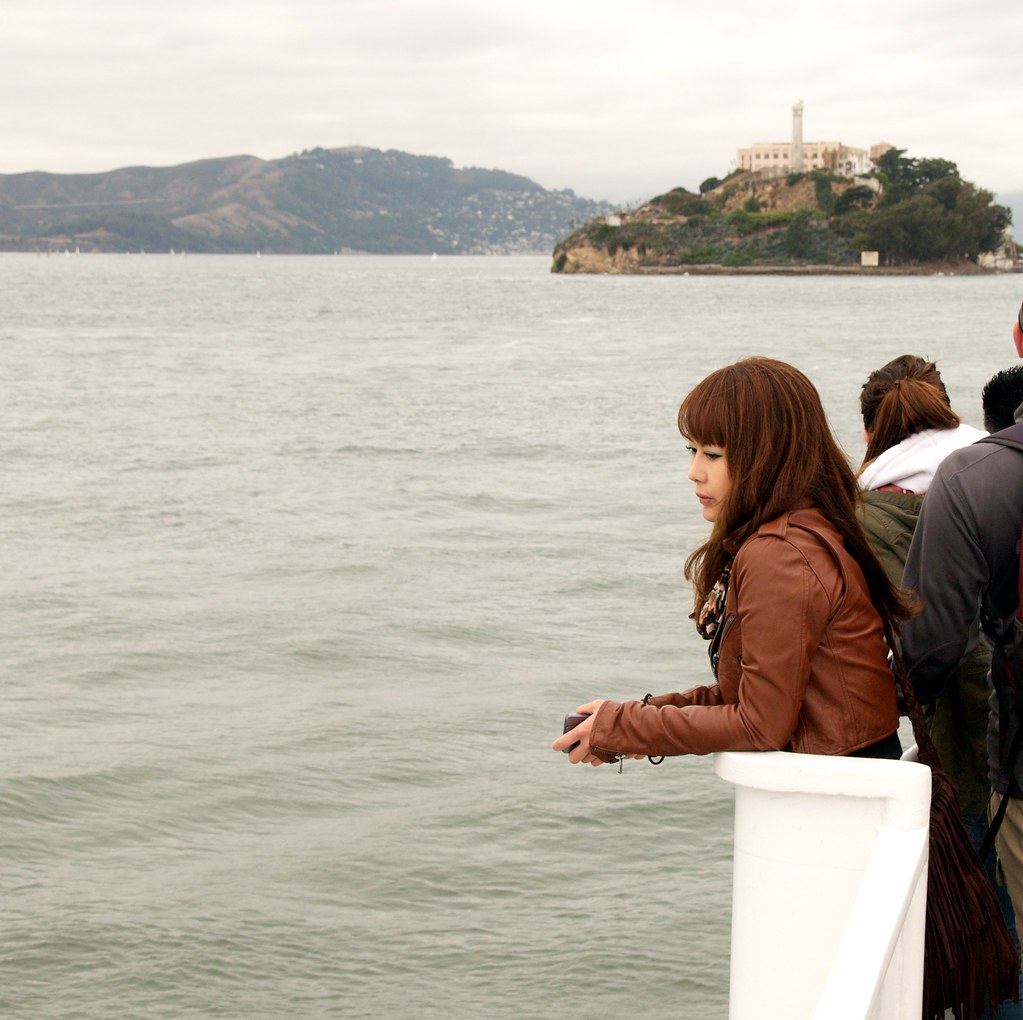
(304, 560)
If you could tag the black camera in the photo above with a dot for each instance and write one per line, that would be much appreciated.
(571, 721)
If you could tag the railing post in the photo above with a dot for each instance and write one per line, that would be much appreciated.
(820, 840)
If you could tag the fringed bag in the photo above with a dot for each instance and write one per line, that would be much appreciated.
(971, 964)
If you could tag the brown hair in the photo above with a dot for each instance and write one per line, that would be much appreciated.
(904, 397)
(781, 454)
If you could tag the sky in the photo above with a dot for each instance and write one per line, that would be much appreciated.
(617, 101)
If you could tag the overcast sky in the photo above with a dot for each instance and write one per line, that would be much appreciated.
(617, 101)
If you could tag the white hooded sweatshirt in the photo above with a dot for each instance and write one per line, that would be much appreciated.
(911, 464)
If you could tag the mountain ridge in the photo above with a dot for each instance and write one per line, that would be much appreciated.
(320, 201)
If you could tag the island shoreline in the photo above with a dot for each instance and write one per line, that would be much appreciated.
(712, 269)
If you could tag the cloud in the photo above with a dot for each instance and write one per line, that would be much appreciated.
(614, 101)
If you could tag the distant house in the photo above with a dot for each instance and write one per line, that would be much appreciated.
(843, 159)
(1005, 255)
(784, 157)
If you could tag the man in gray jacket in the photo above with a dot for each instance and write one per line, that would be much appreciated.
(964, 563)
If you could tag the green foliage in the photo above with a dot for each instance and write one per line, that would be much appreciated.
(858, 196)
(910, 231)
(927, 213)
(746, 222)
(892, 170)
(751, 204)
(680, 202)
(928, 171)
(709, 185)
(719, 240)
(742, 221)
(636, 234)
(130, 230)
(797, 234)
(824, 192)
(739, 257)
(902, 177)
(700, 255)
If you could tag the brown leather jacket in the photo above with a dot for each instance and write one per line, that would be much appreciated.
(801, 659)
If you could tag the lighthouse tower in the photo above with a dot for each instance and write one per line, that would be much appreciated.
(797, 137)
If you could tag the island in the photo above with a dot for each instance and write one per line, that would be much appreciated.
(903, 215)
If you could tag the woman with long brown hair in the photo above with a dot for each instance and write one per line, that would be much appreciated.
(795, 604)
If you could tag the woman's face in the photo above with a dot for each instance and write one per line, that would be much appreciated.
(708, 471)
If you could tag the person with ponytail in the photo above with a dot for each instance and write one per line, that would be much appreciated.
(909, 427)
(795, 605)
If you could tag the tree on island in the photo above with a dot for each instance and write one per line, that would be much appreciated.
(926, 213)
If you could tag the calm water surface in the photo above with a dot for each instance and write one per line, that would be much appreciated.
(303, 562)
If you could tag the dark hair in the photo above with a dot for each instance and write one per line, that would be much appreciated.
(901, 399)
(781, 454)
(1000, 397)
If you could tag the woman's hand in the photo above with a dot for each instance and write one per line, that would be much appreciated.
(581, 733)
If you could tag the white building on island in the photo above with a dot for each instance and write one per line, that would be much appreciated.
(797, 155)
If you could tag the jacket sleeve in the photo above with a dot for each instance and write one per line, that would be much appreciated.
(783, 609)
(947, 569)
(702, 695)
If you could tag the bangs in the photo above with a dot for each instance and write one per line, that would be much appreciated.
(707, 414)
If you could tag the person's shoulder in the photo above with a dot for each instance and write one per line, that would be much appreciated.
(780, 550)
(803, 528)
(975, 469)
(978, 486)
(810, 518)
(979, 458)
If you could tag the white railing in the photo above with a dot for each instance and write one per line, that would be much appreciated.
(829, 886)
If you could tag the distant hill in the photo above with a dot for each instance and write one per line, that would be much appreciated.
(318, 201)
